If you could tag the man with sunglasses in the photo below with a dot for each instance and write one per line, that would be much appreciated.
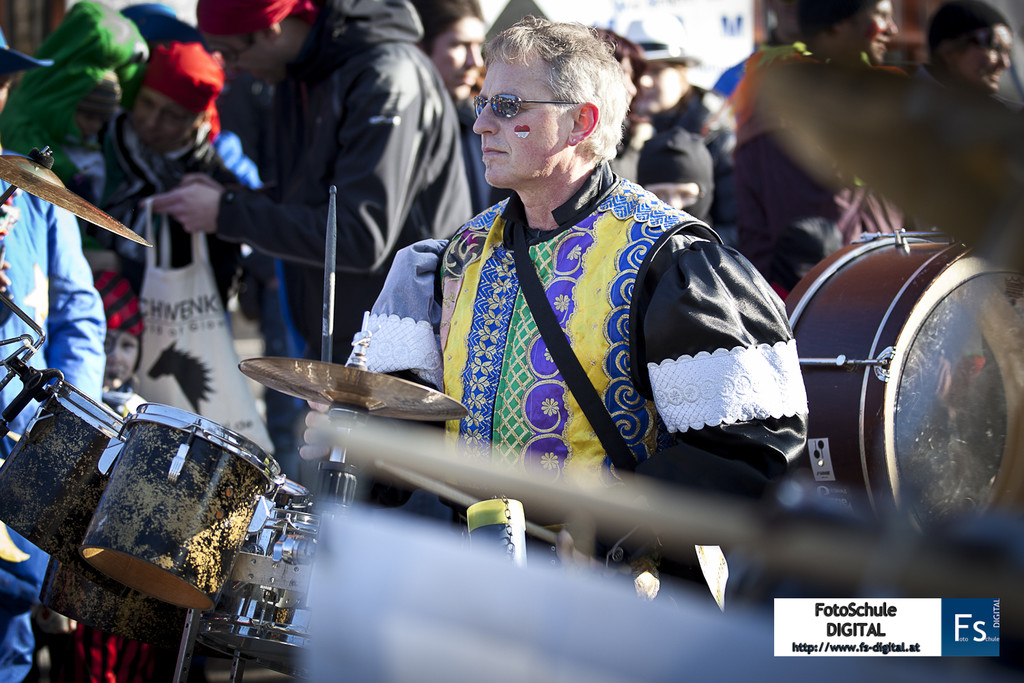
(969, 47)
(684, 347)
(357, 105)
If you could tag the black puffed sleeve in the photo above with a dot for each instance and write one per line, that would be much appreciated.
(711, 345)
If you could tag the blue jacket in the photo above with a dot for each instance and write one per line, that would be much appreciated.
(52, 283)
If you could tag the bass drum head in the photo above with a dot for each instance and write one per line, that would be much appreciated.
(954, 391)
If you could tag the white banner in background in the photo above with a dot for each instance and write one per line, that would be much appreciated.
(720, 32)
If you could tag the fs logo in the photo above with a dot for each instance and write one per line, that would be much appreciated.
(970, 627)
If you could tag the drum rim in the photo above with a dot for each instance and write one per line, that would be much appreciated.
(235, 443)
(876, 241)
(88, 410)
(957, 273)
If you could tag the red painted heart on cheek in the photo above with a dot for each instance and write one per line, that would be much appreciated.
(522, 131)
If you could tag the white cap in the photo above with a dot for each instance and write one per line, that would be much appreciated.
(663, 37)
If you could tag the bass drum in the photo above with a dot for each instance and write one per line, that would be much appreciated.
(912, 353)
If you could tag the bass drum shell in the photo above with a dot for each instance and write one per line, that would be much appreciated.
(175, 539)
(51, 483)
(931, 433)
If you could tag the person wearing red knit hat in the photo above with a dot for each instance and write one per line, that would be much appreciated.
(166, 133)
(357, 105)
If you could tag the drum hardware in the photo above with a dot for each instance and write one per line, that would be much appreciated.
(33, 175)
(37, 385)
(901, 237)
(185, 650)
(178, 461)
(263, 612)
(841, 362)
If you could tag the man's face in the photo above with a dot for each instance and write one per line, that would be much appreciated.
(661, 88)
(162, 124)
(258, 53)
(979, 58)
(869, 31)
(122, 357)
(521, 153)
(456, 56)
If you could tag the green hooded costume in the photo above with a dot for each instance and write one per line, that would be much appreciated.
(90, 41)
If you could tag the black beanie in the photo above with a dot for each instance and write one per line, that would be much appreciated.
(678, 156)
(815, 16)
(955, 19)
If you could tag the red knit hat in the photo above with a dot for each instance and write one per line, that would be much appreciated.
(186, 73)
(119, 302)
(238, 17)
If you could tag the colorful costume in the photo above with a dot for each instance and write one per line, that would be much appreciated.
(688, 347)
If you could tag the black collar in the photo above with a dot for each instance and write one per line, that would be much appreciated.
(595, 188)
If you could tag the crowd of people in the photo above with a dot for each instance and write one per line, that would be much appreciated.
(558, 229)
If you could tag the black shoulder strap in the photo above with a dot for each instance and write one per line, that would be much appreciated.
(568, 364)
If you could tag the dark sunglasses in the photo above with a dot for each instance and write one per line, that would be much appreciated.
(507, 106)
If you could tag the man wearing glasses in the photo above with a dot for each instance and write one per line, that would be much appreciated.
(358, 106)
(684, 347)
(969, 46)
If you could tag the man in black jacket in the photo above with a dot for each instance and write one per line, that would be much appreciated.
(358, 106)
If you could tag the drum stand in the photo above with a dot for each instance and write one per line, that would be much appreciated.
(35, 381)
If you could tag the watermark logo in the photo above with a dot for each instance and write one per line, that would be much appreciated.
(970, 627)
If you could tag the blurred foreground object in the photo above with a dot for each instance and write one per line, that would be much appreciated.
(955, 160)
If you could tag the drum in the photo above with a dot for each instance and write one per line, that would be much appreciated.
(54, 477)
(177, 506)
(78, 591)
(912, 353)
(263, 612)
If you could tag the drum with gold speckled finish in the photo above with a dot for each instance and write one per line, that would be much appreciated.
(52, 481)
(177, 506)
(79, 592)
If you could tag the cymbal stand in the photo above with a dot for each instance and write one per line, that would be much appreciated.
(28, 344)
(36, 382)
(42, 157)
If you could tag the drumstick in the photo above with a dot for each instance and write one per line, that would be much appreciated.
(813, 548)
(330, 266)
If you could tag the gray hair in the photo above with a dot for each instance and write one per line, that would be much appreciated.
(582, 68)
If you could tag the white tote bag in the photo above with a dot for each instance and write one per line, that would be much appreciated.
(188, 355)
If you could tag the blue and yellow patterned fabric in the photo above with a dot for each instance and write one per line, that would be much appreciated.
(497, 364)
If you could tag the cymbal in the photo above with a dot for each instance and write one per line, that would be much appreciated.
(40, 181)
(376, 393)
(950, 158)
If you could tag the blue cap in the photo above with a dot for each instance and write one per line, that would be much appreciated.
(159, 23)
(12, 60)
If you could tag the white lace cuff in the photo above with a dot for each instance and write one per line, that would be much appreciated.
(729, 386)
(404, 344)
